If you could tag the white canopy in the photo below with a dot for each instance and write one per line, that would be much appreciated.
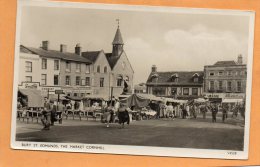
(232, 101)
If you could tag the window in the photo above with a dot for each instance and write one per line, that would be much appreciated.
(159, 90)
(77, 80)
(87, 68)
(68, 66)
(82, 94)
(105, 69)
(154, 79)
(75, 94)
(44, 79)
(229, 73)
(98, 69)
(211, 85)
(229, 84)
(56, 65)
(196, 79)
(220, 73)
(87, 81)
(78, 68)
(101, 82)
(195, 91)
(185, 91)
(28, 78)
(174, 91)
(239, 88)
(28, 66)
(67, 80)
(220, 85)
(211, 74)
(44, 63)
(56, 79)
(119, 81)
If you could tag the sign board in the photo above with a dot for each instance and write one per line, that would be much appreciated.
(59, 91)
(30, 85)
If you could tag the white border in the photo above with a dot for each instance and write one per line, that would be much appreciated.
(137, 150)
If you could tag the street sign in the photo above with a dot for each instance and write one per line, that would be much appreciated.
(59, 92)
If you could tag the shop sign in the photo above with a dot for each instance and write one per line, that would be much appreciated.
(30, 85)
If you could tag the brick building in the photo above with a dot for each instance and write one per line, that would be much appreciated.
(225, 79)
(176, 84)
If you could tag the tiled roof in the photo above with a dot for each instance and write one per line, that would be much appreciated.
(225, 63)
(112, 60)
(56, 54)
(92, 55)
(118, 38)
(184, 78)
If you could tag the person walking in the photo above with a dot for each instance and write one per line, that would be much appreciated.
(60, 111)
(214, 113)
(224, 113)
(53, 112)
(123, 115)
(46, 114)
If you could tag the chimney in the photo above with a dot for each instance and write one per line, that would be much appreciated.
(63, 48)
(78, 49)
(239, 59)
(45, 45)
(154, 68)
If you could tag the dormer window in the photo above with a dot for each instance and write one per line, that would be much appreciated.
(154, 78)
(195, 77)
(174, 78)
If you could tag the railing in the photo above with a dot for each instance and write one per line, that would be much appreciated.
(30, 116)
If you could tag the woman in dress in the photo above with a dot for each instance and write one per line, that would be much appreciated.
(123, 115)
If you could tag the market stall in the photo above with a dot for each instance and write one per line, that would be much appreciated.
(31, 97)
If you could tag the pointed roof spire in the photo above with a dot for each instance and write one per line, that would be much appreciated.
(118, 40)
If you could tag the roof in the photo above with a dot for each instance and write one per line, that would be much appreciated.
(55, 54)
(118, 38)
(225, 63)
(184, 78)
(92, 55)
(112, 60)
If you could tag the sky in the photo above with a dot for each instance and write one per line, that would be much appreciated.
(171, 41)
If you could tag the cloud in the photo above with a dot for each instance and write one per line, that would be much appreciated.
(183, 50)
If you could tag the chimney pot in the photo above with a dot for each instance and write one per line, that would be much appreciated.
(78, 49)
(45, 45)
(63, 48)
(239, 59)
(154, 68)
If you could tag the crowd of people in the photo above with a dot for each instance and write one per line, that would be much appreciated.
(115, 112)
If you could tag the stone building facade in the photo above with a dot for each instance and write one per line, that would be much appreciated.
(225, 78)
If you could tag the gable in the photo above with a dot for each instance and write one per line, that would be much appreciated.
(123, 60)
(102, 61)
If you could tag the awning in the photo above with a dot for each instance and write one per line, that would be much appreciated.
(200, 100)
(232, 101)
(171, 100)
(75, 98)
(34, 97)
(97, 97)
(139, 100)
